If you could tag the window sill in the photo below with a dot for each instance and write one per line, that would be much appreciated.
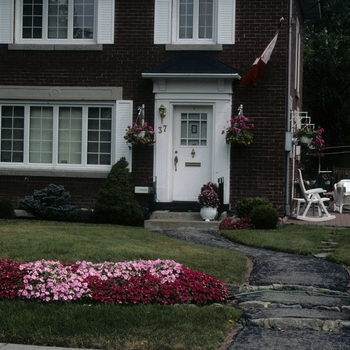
(38, 47)
(95, 174)
(194, 47)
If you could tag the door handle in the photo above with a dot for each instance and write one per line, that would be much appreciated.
(176, 160)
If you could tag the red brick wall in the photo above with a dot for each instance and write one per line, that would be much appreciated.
(83, 192)
(256, 171)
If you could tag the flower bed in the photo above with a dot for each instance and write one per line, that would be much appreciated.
(134, 282)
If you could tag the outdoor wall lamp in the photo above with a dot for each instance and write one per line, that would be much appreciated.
(162, 112)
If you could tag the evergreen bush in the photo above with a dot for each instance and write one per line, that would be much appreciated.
(50, 203)
(6, 209)
(264, 217)
(245, 206)
(116, 203)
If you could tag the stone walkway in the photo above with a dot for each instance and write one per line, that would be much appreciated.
(291, 301)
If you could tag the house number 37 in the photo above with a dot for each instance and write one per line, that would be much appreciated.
(162, 129)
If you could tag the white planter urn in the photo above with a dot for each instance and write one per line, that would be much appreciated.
(208, 213)
(305, 140)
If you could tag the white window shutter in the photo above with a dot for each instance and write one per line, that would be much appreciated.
(105, 21)
(124, 118)
(162, 21)
(226, 21)
(6, 21)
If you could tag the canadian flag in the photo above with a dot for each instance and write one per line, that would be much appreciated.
(253, 75)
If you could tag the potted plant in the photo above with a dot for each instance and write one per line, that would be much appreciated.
(312, 138)
(305, 134)
(139, 134)
(238, 131)
(208, 199)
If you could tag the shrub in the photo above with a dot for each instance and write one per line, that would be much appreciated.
(6, 209)
(264, 217)
(116, 203)
(245, 206)
(80, 215)
(49, 203)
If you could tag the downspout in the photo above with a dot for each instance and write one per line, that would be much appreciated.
(288, 136)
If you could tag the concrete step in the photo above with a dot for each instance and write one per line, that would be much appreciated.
(167, 220)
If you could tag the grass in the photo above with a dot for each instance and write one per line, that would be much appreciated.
(300, 239)
(113, 326)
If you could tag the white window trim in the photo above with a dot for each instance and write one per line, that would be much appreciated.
(121, 117)
(195, 40)
(166, 25)
(44, 40)
(10, 27)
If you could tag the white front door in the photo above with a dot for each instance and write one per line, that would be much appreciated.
(192, 151)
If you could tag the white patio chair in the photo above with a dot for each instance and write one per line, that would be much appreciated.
(313, 198)
(342, 195)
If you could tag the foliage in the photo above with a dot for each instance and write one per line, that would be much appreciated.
(209, 195)
(139, 135)
(236, 224)
(264, 217)
(11, 278)
(326, 89)
(135, 282)
(50, 203)
(80, 215)
(238, 131)
(116, 203)
(245, 206)
(317, 144)
(6, 209)
(306, 131)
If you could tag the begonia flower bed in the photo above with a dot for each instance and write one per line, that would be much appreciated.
(135, 282)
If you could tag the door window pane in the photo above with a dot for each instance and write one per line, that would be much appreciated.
(40, 137)
(193, 129)
(70, 135)
(12, 133)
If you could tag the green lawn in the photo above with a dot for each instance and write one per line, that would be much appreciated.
(301, 239)
(113, 326)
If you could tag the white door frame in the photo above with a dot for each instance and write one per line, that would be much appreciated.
(215, 93)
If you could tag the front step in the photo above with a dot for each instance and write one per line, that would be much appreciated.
(161, 220)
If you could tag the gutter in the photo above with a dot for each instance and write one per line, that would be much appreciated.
(192, 75)
(288, 108)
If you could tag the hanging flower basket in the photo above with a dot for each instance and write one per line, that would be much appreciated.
(139, 134)
(313, 139)
(238, 131)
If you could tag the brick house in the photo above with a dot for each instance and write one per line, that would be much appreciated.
(73, 74)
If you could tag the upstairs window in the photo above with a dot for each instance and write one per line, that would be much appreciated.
(58, 19)
(56, 22)
(194, 22)
(195, 19)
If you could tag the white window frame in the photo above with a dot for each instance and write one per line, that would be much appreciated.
(121, 117)
(44, 39)
(195, 39)
(166, 23)
(11, 26)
